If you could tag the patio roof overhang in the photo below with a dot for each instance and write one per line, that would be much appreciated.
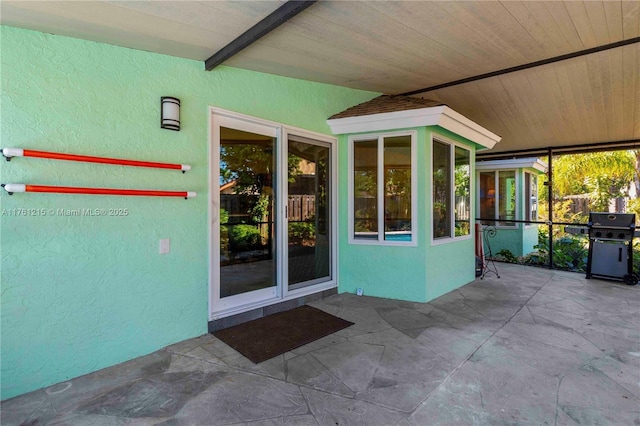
(573, 77)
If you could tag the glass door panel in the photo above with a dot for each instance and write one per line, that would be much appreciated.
(247, 216)
(309, 212)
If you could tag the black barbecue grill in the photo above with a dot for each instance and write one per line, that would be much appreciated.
(611, 246)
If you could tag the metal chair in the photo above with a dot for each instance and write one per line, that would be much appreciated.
(488, 265)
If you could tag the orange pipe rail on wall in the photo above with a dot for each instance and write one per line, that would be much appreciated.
(18, 187)
(19, 152)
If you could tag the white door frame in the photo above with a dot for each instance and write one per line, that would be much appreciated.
(219, 307)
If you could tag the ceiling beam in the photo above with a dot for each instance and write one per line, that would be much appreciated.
(259, 30)
(526, 66)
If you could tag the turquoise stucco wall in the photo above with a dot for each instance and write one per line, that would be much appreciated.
(415, 273)
(83, 293)
(507, 238)
(529, 239)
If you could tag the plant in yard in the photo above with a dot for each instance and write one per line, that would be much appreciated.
(634, 207)
(300, 231)
(506, 256)
(535, 258)
(461, 229)
(244, 238)
(569, 252)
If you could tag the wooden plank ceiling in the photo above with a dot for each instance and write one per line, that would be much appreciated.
(396, 47)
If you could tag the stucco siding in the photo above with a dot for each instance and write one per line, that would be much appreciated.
(81, 293)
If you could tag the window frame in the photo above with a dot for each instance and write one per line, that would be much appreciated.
(435, 137)
(527, 200)
(499, 224)
(380, 241)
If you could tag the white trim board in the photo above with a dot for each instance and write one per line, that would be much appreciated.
(442, 116)
(516, 163)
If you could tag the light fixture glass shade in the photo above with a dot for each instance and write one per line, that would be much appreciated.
(170, 113)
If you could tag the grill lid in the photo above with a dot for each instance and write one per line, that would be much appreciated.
(612, 220)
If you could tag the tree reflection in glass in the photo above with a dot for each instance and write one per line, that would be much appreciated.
(247, 216)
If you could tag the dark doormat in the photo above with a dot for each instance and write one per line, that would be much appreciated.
(270, 336)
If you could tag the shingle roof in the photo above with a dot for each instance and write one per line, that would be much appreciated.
(386, 103)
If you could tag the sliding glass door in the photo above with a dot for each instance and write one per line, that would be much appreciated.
(247, 217)
(272, 214)
(308, 212)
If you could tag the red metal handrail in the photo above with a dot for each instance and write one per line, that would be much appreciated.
(16, 187)
(19, 152)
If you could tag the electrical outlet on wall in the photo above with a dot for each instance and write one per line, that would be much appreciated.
(165, 246)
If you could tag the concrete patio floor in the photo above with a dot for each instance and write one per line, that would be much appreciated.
(533, 347)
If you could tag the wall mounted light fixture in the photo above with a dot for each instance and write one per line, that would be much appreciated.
(170, 113)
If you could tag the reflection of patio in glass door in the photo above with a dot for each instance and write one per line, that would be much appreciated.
(268, 183)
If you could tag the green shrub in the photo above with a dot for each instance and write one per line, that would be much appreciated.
(507, 256)
(462, 229)
(569, 252)
(536, 258)
(244, 238)
(302, 230)
(224, 216)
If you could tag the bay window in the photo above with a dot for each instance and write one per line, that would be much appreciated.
(451, 174)
(382, 201)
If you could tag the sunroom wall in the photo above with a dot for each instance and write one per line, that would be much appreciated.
(451, 264)
(83, 293)
(419, 272)
(380, 270)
